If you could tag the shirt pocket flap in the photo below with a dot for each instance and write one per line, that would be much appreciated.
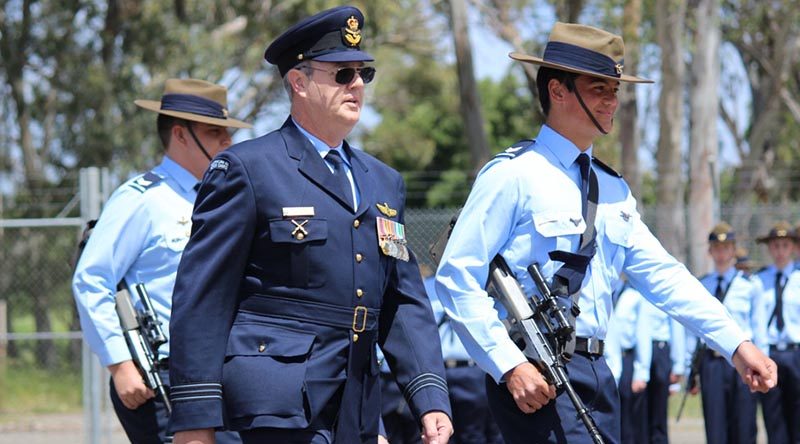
(619, 231)
(268, 340)
(559, 223)
(298, 231)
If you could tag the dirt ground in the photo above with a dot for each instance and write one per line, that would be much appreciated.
(68, 429)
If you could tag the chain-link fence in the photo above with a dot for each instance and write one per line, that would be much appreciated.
(43, 366)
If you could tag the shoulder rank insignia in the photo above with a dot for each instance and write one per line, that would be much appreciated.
(351, 34)
(386, 210)
(606, 168)
(145, 182)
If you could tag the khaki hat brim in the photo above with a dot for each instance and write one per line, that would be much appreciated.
(538, 61)
(154, 105)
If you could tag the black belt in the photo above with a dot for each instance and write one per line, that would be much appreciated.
(628, 351)
(713, 353)
(589, 346)
(660, 344)
(784, 347)
(359, 318)
(458, 363)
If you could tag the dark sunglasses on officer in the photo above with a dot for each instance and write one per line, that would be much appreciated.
(344, 76)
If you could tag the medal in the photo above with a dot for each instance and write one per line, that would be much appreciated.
(392, 239)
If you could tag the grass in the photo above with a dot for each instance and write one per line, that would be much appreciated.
(27, 390)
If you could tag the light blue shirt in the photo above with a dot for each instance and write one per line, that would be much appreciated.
(627, 330)
(525, 208)
(791, 305)
(323, 148)
(661, 327)
(452, 348)
(140, 237)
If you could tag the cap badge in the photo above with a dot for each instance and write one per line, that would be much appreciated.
(618, 68)
(722, 237)
(351, 34)
(225, 112)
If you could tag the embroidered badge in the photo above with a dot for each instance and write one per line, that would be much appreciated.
(392, 238)
(219, 164)
(625, 216)
(351, 35)
(386, 210)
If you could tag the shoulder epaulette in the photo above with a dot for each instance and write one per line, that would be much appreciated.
(762, 269)
(605, 167)
(515, 149)
(145, 182)
(704, 276)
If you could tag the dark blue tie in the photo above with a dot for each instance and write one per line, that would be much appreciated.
(342, 183)
(778, 313)
(719, 293)
(584, 164)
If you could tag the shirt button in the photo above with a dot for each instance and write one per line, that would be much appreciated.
(359, 292)
(356, 223)
(359, 257)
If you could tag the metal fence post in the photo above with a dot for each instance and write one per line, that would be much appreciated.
(93, 192)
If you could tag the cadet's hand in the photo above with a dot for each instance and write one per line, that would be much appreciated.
(201, 436)
(528, 387)
(638, 386)
(436, 428)
(675, 379)
(382, 440)
(757, 370)
(129, 384)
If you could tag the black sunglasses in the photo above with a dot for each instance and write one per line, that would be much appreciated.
(344, 76)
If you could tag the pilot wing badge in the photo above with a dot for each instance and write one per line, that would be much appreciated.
(386, 210)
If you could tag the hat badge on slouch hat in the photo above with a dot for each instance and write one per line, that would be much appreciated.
(722, 232)
(194, 100)
(583, 50)
(780, 230)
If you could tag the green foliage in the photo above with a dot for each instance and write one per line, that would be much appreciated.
(28, 390)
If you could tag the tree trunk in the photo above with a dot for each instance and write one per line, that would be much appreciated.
(628, 117)
(470, 103)
(703, 164)
(670, 212)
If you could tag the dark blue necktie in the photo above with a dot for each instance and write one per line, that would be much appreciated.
(778, 313)
(584, 164)
(342, 183)
(719, 293)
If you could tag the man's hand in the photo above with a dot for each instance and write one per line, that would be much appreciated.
(528, 387)
(382, 440)
(638, 386)
(201, 436)
(758, 371)
(129, 384)
(436, 428)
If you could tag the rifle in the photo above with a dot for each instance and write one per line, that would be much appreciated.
(540, 329)
(144, 335)
(694, 374)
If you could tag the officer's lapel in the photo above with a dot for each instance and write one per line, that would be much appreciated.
(362, 178)
(310, 163)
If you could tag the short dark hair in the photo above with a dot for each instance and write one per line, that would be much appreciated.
(543, 79)
(164, 123)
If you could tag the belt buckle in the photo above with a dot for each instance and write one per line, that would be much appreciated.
(450, 363)
(593, 346)
(356, 327)
(781, 346)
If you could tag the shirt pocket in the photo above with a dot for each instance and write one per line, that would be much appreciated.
(559, 228)
(177, 238)
(265, 371)
(301, 242)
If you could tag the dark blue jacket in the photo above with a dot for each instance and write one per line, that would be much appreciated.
(268, 325)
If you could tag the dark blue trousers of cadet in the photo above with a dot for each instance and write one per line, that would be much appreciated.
(729, 409)
(557, 422)
(781, 405)
(658, 392)
(472, 420)
(633, 406)
(148, 423)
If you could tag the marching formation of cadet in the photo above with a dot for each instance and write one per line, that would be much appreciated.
(295, 275)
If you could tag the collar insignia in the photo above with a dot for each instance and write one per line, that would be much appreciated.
(351, 34)
(625, 216)
(576, 222)
(386, 210)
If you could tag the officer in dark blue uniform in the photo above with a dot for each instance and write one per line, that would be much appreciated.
(298, 266)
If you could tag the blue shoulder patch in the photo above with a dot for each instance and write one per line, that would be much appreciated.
(219, 164)
(606, 168)
(145, 182)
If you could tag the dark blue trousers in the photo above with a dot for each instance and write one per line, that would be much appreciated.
(557, 422)
(399, 422)
(148, 423)
(781, 405)
(472, 420)
(729, 409)
(658, 392)
(633, 406)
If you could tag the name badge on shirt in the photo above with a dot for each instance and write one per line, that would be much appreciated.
(298, 212)
(392, 238)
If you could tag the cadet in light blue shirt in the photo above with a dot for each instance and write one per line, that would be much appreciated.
(535, 202)
(628, 349)
(139, 238)
(781, 308)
